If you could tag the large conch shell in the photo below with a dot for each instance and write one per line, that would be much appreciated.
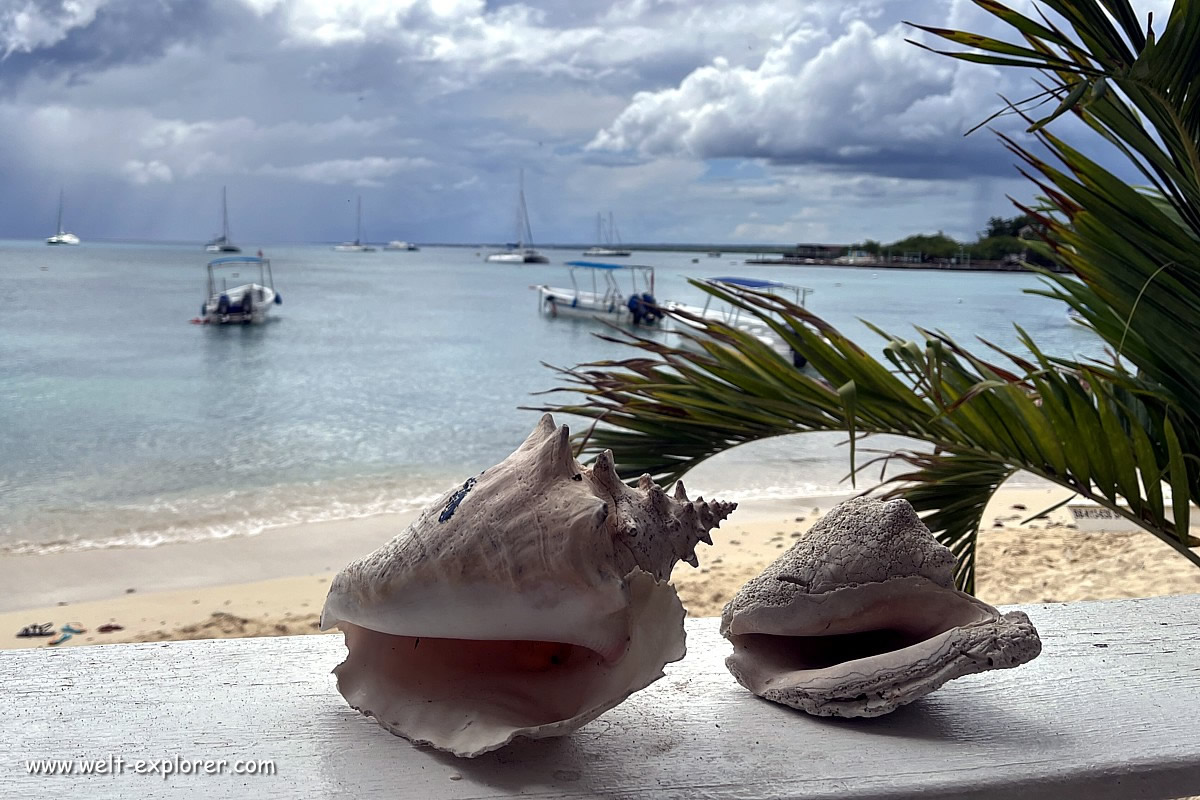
(526, 602)
(861, 616)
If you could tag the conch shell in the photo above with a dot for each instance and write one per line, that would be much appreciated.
(526, 602)
(861, 616)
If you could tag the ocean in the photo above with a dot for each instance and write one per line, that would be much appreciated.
(382, 379)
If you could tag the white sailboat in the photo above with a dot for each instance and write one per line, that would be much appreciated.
(62, 237)
(357, 245)
(608, 240)
(222, 243)
(523, 251)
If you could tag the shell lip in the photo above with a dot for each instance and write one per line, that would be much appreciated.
(470, 697)
(894, 604)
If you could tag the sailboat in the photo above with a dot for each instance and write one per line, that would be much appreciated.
(357, 245)
(608, 241)
(223, 244)
(522, 252)
(62, 237)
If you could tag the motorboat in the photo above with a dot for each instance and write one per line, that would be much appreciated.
(398, 245)
(357, 245)
(608, 240)
(736, 317)
(607, 299)
(522, 251)
(62, 237)
(234, 297)
(222, 243)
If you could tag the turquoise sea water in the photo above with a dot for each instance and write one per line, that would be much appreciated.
(382, 379)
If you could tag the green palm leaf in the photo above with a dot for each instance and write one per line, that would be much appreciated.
(1122, 433)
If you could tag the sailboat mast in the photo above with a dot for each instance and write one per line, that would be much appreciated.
(358, 228)
(60, 207)
(614, 238)
(224, 217)
(522, 214)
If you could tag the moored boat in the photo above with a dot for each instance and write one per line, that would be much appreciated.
(398, 245)
(223, 243)
(62, 237)
(607, 298)
(357, 246)
(734, 316)
(608, 240)
(233, 300)
(522, 252)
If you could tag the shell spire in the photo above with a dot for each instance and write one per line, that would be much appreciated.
(676, 524)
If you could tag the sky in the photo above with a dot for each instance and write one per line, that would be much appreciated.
(757, 121)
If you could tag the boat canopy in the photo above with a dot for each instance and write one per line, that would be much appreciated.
(754, 283)
(601, 265)
(216, 262)
(604, 268)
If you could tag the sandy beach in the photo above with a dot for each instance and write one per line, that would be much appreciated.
(275, 583)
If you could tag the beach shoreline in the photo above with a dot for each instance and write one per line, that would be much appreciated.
(275, 583)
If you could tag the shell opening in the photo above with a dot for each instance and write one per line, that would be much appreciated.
(876, 629)
(818, 652)
(521, 683)
(470, 695)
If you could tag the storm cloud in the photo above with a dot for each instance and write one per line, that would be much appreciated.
(693, 120)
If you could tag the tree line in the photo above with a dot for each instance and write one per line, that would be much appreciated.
(1005, 238)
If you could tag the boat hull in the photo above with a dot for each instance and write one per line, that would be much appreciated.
(517, 258)
(233, 311)
(559, 302)
(759, 330)
(63, 239)
(607, 252)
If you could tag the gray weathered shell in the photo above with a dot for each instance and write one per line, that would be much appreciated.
(525, 602)
(861, 616)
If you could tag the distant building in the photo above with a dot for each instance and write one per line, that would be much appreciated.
(821, 252)
(856, 257)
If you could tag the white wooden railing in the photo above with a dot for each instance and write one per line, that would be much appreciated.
(1111, 709)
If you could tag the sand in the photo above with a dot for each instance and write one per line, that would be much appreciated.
(275, 583)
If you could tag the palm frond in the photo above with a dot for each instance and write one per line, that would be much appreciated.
(1124, 433)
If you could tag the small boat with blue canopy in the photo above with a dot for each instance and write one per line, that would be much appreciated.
(234, 297)
(736, 317)
(608, 299)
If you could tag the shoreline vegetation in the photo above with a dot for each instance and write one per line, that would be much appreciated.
(274, 584)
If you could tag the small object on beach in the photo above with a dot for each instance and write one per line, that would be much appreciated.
(801, 519)
(861, 617)
(109, 627)
(73, 627)
(1018, 506)
(525, 602)
(63, 636)
(36, 629)
(130, 591)
(62, 602)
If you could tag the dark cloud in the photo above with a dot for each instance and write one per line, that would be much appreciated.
(694, 119)
(123, 33)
